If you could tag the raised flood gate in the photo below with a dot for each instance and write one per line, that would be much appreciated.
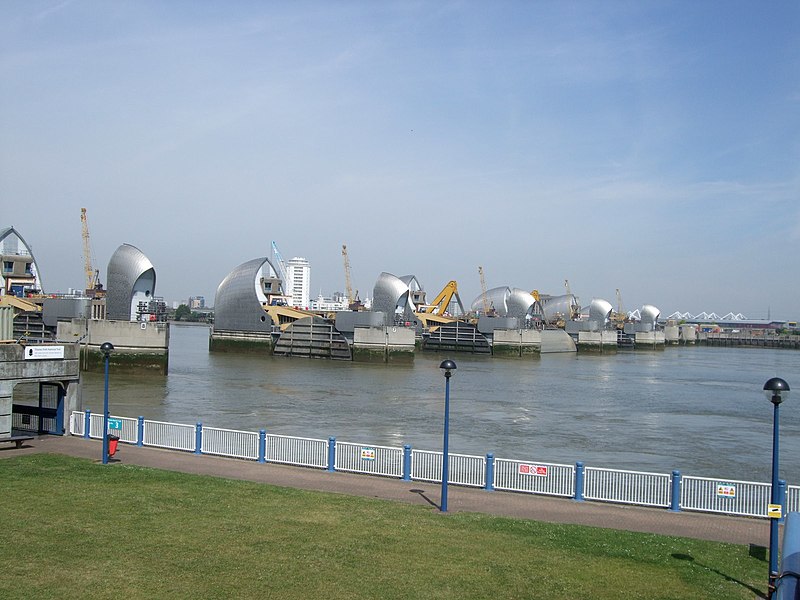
(312, 337)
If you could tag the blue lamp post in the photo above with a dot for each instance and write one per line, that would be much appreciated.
(106, 348)
(448, 366)
(776, 390)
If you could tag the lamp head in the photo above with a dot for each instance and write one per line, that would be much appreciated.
(776, 390)
(448, 366)
(106, 348)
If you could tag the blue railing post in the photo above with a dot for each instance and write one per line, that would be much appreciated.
(262, 445)
(140, 432)
(782, 495)
(331, 454)
(578, 481)
(406, 463)
(489, 486)
(198, 438)
(675, 502)
(87, 423)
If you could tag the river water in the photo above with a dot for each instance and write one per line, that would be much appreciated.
(697, 409)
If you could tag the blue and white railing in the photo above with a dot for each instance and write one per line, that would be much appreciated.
(667, 490)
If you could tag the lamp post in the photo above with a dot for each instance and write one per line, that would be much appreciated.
(106, 348)
(448, 366)
(776, 390)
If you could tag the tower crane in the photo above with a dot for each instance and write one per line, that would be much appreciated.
(483, 292)
(620, 317)
(92, 275)
(348, 286)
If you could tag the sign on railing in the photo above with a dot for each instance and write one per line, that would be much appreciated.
(374, 460)
(536, 478)
(725, 496)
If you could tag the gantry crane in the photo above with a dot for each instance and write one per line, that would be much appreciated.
(281, 269)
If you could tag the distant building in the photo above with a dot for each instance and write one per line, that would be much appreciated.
(19, 275)
(298, 271)
(337, 303)
(197, 302)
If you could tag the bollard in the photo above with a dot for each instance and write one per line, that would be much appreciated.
(578, 482)
(198, 438)
(489, 485)
(675, 503)
(140, 432)
(262, 445)
(87, 424)
(331, 454)
(406, 463)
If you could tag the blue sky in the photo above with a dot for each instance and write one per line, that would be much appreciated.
(652, 147)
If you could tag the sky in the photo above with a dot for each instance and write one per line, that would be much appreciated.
(650, 147)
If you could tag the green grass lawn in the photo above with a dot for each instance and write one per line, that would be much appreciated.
(73, 528)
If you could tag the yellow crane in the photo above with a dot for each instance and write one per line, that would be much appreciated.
(347, 283)
(441, 303)
(92, 275)
(484, 297)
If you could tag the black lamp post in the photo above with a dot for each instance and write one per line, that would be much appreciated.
(106, 348)
(776, 390)
(448, 366)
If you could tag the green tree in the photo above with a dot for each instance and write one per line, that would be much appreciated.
(183, 313)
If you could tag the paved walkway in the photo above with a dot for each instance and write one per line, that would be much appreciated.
(704, 526)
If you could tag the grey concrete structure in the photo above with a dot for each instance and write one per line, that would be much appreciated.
(131, 279)
(19, 364)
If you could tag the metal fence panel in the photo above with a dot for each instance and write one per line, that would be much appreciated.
(168, 435)
(463, 469)
(793, 498)
(538, 478)
(76, 422)
(628, 487)
(229, 442)
(725, 496)
(374, 460)
(297, 451)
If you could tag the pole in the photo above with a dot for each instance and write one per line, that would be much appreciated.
(105, 416)
(776, 499)
(445, 455)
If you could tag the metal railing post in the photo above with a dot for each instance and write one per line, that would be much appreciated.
(675, 503)
(578, 482)
(198, 438)
(262, 445)
(407, 462)
(87, 424)
(331, 454)
(489, 484)
(140, 432)
(782, 495)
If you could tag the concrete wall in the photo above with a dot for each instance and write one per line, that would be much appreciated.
(557, 340)
(15, 369)
(647, 340)
(383, 344)
(137, 346)
(516, 342)
(597, 341)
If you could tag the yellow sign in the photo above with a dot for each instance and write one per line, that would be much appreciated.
(774, 511)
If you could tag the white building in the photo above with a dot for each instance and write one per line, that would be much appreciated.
(298, 271)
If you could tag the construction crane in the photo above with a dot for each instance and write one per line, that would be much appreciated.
(484, 297)
(619, 317)
(442, 302)
(281, 268)
(348, 285)
(92, 275)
